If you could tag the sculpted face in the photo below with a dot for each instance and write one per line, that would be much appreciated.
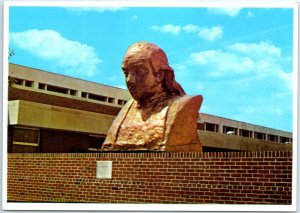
(140, 77)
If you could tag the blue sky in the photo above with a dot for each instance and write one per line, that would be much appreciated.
(239, 59)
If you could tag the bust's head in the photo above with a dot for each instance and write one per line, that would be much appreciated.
(147, 72)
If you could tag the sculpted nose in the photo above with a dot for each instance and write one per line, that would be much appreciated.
(130, 79)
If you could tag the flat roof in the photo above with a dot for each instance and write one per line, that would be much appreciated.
(66, 76)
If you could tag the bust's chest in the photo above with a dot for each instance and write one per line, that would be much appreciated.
(141, 133)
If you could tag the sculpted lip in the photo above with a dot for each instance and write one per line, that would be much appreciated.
(134, 91)
(132, 88)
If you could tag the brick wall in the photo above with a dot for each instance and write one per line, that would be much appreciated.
(230, 178)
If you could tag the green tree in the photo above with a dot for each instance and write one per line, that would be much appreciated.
(11, 53)
(11, 80)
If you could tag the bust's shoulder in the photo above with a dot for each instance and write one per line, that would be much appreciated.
(187, 101)
(189, 98)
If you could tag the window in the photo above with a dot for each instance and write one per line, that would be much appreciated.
(121, 102)
(229, 130)
(245, 133)
(95, 142)
(84, 95)
(111, 100)
(272, 137)
(211, 127)
(42, 86)
(284, 140)
(73, 92)
(97, 97)
(18, 81)
(28, 83)
(25, 140)
(57, 89)
(260, 135)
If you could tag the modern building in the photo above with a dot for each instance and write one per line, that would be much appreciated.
(49, 112)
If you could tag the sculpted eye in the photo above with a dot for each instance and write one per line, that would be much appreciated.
(125, 72)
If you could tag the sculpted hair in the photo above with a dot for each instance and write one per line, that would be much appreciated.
(159, 61)
(169, 82)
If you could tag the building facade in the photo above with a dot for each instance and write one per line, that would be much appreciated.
(49, 112)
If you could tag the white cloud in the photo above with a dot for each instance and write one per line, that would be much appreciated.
(199, 86)
(232, 12)
(250, 14)
(222, 63)
(93, 9)
(268, 108)
(206, 33)
(71, 56)
(168, 28)
(191, 28)
(256, 50)
(134, 18)
(287, 79)
(211, 34)
(258, 59)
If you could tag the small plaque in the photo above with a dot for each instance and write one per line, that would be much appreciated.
(104, 169)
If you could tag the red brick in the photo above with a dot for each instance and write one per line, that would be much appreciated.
(152, 177)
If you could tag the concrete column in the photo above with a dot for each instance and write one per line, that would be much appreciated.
(251, 134)
(220, 128)
(35, 85)
(216, 128)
